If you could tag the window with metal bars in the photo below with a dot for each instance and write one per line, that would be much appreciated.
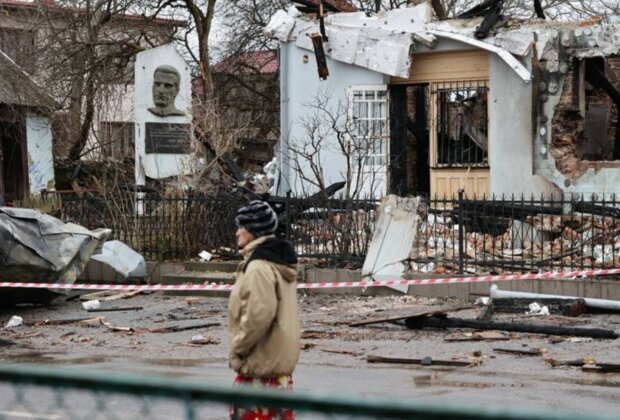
(462, 124)
(370, 126)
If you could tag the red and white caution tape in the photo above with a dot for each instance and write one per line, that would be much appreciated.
(320, 285)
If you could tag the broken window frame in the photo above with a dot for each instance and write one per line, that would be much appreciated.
(370, 132)
(481, 159)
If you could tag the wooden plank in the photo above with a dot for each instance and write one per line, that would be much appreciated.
(447, 66)
(423, 362)
(418, 313)
(522, 352)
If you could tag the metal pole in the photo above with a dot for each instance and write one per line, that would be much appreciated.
(288, 215)
(461, 232)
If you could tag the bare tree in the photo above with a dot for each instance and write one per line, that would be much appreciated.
(331, 129)
(85, 47)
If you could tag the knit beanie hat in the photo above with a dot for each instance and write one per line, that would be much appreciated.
(258, 218)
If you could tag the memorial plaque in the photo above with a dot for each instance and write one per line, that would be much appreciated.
(167, 138)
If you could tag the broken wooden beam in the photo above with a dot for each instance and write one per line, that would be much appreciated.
(442, 322)
(319, 53)
(421, 312)
(427, 361)
(126, 308)
(177, 328)
(587, 364)
(522, 352)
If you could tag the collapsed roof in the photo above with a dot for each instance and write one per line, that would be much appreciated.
(384, 42)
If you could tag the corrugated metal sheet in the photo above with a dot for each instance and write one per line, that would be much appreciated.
(18, 88)
(396, 229)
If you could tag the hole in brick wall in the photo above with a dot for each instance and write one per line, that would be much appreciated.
(585, 127)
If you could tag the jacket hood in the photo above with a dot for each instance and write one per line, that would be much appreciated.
(278, 251)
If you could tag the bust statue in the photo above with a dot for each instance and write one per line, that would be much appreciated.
(166, 81)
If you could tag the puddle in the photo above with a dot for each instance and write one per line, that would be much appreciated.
(594, 379)
(425, 381)
(55, 359)
(176, 362)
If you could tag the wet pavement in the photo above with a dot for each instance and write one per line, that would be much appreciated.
(333, 359)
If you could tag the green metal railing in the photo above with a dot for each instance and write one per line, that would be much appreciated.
(191, 395)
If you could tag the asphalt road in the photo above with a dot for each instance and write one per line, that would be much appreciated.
(333, 360)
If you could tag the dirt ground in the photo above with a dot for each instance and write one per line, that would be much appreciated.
(333, 359)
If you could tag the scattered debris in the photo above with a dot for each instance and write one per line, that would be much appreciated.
(398, 218)
(536, 309)
(177, 328)
(498, 294)
(338, 351)
(487, 310)
(122, 259)
(421, 312)
(478, 336)
(205, 256)
(90, 305)
(92, 322)
(563, 306)
(108, 295)
(203, 340)
(192, 301)
(63, 321)
(427, 361)
(587, 364)
(113, 327)
(126, 308)
(15, 321)
(442, 322)
(36, 247)
(306, 346)
(522, 352)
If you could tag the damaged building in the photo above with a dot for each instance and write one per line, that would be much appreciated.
(26, 163)
(490, 105)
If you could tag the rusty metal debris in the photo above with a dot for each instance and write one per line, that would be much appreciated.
(36, 247)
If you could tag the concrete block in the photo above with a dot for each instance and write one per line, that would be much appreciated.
(479, 288)
(593, 290)
(554, 287)
(459, 291)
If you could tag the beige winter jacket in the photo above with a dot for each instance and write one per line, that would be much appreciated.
(263, 318)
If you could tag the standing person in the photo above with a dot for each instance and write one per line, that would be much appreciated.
(263, 318)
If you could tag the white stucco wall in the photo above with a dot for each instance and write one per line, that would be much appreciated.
(40, 159)
(510, 134)
(159, 165)
(299, 87)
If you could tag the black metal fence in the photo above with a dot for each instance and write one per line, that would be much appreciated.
(518, 234)
(331, 232)
(497, 235)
